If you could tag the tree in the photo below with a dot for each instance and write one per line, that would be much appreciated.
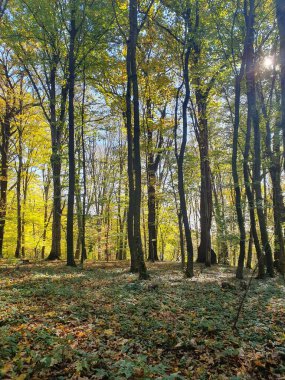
(134, 160)
(11, 106)
(73, 30)
(280, 14)
(238, 202)
(254, 120)
(44, 60)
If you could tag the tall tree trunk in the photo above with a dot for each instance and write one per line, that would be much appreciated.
(25, 196)
(254, 118)
(83, 232)
(19, 195)
(6, 133)
(223, 254)
(180, 161)
(206, 203)
(238, 202)
(71, 153)
(46, 180)
(250, 198)
(55, 160)
(120, 218)
(131, 188)
(178, 212)
(78, 197)
(247, 181)
(151, 189)
(189, 246)
(249, 191)
(181, 239)
(279, 250)
(79, 219)
(132, 46)
(274, 156)
(280, 13)
(125, 235)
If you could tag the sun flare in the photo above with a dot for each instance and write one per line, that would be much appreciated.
(268, 62)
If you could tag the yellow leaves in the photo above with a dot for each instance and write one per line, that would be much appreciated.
(109, 332)
(23, 376)
(123, 5)
(50, 314)
(124, 51)
(81, 334)
(6, 368)
(20, 327)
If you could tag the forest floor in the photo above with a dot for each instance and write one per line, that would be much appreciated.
(101, 323)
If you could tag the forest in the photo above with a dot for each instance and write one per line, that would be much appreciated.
(142, 167)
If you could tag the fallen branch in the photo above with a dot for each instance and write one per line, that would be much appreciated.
(243, 299)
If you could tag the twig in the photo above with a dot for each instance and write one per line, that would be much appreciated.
(243, 298)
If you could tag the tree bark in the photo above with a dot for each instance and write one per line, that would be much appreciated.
(280, 13)
(131, 188)
(83, 232)
(19, 195)
(249, 251)
(254, 118)
(132, 46)
(6, 134)
(180, 161)
(71, 143)
(55, 160)
(238, 203)
(46, 180)
(151, 190)
(274, 156)
(206, 203)
(26, 180)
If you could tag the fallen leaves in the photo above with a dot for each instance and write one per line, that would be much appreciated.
(65, 323)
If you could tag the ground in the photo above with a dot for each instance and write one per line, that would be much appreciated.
(102, 323)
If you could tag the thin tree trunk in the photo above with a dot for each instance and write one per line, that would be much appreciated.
(83, 232)
(46, 180)
(107, 248)
(274, 156)
(238, 202)
(254, 118)
(180, 220)
(132, 45)
(5, 132)
(120, 218)
(247, 181)
(206, 203)
(151, 189)
(55, 252)
(250, 198)
(19, 195)
(280, 13)
(181, 239)
(131, 188)
(180, 160)
(25, 195)
(78, 200)
(71, 154)
(249, 251)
